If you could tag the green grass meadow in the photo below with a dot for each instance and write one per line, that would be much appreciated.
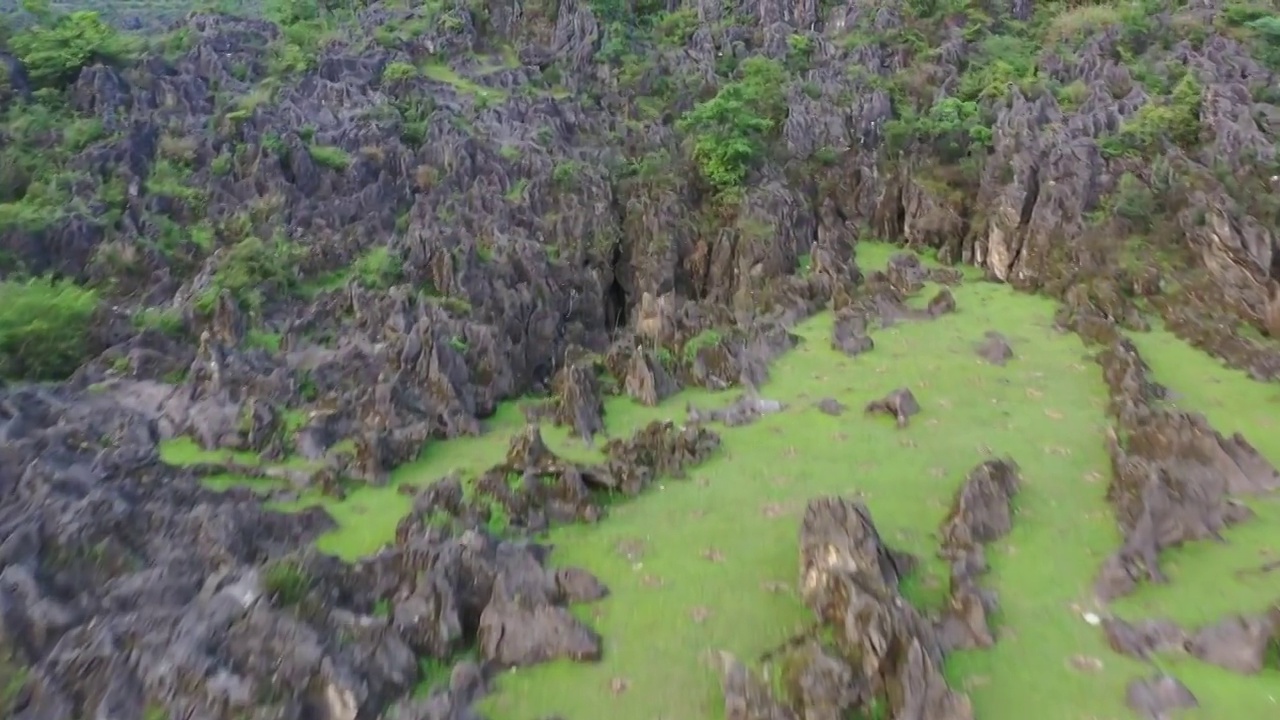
(710, 562)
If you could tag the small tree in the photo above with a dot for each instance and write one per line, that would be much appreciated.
(729, 130)
(57, 47)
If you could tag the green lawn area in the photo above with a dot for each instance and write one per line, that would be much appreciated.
(709, 563)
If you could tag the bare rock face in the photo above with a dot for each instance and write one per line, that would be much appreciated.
(745, 410)
(1238, 643)
(981, 513)
(850, 580)
(1159, 697)
(647, 380)
(1145, 638)
(523, 625)
(831, 406)
(995, 349)
(1272, 313)
(941, 304)
(882, 655)
(906, 273)
(746, 697)
(534, 488)
(900, 404)
(849, 334)
(150, 537)
(1173, 477)
(578, 401)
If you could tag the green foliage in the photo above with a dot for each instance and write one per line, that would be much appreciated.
(378, 269)
(166, 320)
(44, 328)
(1267, 39)
(674, 29)
(15, 677)
(286, 582)
(954, 128)
(698, 343)
(730, 129)
(1176, 121)
(293, 12)
(398, 71)
(249, 270)
(221, 165)
(172, 180)
(563, 173)
(1135, 203)
(306, 27)
(334, 158)
(56, 48)
(1003, 62)
(799, 52)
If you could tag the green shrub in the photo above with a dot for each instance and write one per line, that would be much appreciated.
(675, 28)
(166, 320)
(730, 129)
(1003, 62)
(397, 71)
(1135, 202)
(334, 158)
(1267, 40)
(1176, 121)
(44, 328)
(221, 165)
(378, 269)
(952, 127)
(286, 582)
(58, 46)
(250, 270)
(799, 52)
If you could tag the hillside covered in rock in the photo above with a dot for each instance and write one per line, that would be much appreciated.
(323, 234)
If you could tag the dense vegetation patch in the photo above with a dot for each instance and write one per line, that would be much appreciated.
(44, 327)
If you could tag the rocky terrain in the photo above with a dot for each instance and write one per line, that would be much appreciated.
(313, 239)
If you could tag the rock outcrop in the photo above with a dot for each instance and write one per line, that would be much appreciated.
(883, 656)
(1174, 478)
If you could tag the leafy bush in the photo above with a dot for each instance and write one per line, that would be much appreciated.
(249, 270)
(954, 128)
(1267, 30)
(378, 269)
(334, 158)
(1135, 202)
(1003, 62)
(166, 320)
(58, 46)
(286, 582)
(44, 328)
(729, 130)
(397, 71)
(1175, 121)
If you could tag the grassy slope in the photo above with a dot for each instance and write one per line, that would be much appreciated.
(698, 565)
(1044, 409)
